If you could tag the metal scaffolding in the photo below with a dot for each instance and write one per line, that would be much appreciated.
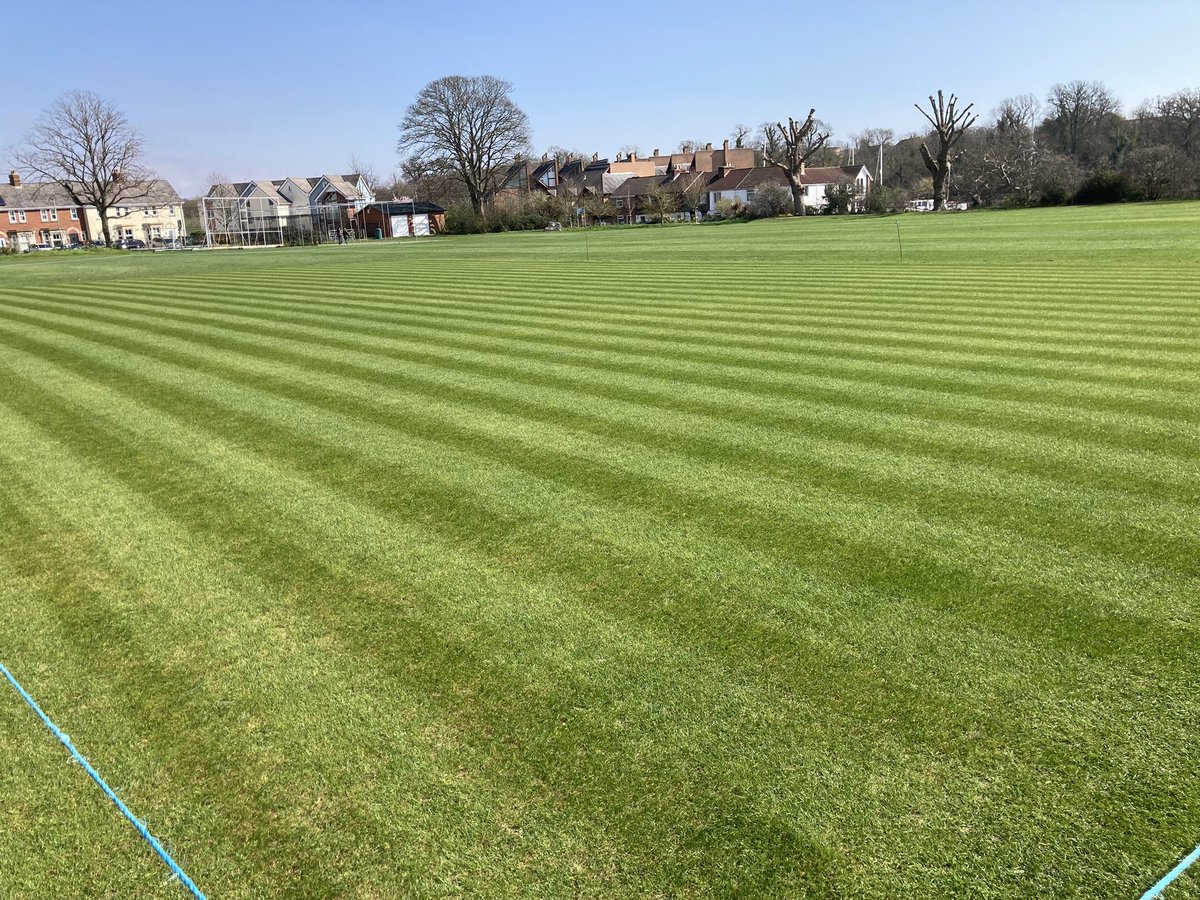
(262, 222)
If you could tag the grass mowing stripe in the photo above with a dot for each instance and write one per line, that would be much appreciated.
(1164, 432)
(925, 568)
(204, 634)
(590, 624)
(846, 438)
(186, 441)
(632, 685)
(957, 365)
(952, 348)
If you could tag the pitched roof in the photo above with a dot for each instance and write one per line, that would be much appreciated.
(346, 185)
(747, 179)
(35, 195)
(49, 194)
(639, 185)
(405, 207)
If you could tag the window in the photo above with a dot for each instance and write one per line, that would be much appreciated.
(45, 215)
(74, 215)
(170, 210)
(12, 217)
(20, 215)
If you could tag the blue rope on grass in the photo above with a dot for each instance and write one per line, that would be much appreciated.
(142, 830)
(1172, 875)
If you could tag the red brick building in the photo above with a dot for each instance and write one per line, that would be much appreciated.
(39, 213)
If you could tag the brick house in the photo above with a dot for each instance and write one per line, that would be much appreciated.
(39, 212)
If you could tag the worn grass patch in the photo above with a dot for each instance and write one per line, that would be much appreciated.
(741, 561)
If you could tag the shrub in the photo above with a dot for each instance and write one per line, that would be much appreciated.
(1106, 186)
(769, 201)
(462, 219)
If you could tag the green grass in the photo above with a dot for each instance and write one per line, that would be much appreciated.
(703, 562)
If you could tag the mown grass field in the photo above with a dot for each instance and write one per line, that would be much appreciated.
(690, 562)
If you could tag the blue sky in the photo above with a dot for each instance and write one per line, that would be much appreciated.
(266, 89)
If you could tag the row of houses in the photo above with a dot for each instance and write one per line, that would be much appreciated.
(43, 214)
(700, 178)
(323, 208)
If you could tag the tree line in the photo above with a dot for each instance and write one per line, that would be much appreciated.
(1075, 145)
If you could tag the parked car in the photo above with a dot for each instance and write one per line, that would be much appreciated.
(33, 248)
(131, 244)
(554, 226)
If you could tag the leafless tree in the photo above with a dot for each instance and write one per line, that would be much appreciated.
(627, 149)
(359, 166)
(790, 148)
(224, 209)
(689, 145)
(87, 146)
(563, 155)
(472, 123)
(740, 133)
(1017, 115)
(1178, 118)
(597, 207)
(871, 144)
(695, 192)
(1077, 113)
(661, 201)
(949, 123)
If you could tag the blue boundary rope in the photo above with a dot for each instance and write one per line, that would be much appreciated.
(1172, 875)
(95, 776)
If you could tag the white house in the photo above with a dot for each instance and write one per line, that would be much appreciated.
(740, 184)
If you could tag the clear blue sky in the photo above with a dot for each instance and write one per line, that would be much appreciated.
(266, 89)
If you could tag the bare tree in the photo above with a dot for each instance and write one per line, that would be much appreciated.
(879, 139)
(1017, 115)
(740, 133)
(224, 209)
(661, 201)
(472, 123)
(597, 207)
(1077, 112)
(1178, 118)
(627, 149)
(790, 148)
(949, 124)
(359, 166)
(695, 192)
(87, 146)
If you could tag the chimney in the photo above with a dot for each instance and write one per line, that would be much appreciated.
(726, 145)
(595, 157)
(545, 157)
(14, 178)
(656, 151)
(708, 146)
(725, 170)
(632, 156)
(118, 175)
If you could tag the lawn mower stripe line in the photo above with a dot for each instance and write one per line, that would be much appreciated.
(108, 792)
(1166, 880)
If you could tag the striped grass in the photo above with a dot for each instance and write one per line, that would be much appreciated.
(736, 560)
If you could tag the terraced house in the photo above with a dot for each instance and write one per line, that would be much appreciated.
(42, 213)
(153, 213)
(39, 213)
